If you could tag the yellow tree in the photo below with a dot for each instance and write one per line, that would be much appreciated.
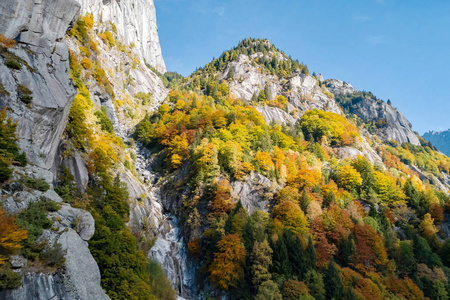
(178, 148)
(10, 235)
(264, 161)
(349, 178)
(291, 216)
(387, 189)
(228, 265)
(427, 226)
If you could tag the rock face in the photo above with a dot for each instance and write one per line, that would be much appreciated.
(396, 127)
(135, 21)
(145, 207)
(275, 115)
(337, 86)
(253, 192)
(39, 27)
(440, 140)
(301, 90)
(170, 252)
(79, 278)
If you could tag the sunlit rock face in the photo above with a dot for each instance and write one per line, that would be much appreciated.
(39, 28)
(135, 21)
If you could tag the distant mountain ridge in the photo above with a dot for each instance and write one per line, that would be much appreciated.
(439, 139)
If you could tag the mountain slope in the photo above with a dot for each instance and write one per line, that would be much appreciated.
(440, 140)
(265, 208)
(252, 179)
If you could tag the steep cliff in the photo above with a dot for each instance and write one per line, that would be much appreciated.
(42, 72)
(391, 124)
(135, 21)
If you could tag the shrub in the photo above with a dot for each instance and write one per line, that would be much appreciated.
(13, 64)
(9, 151)
(145, 98)
(5, 171)
(9, 279)
(3, 91)
(34, 217)
(7, 43)
(103, 120)
(160, 285)
(34, 220)
(89, 21)
(77, 129)
(66, 185)
(86, 63)
(54, 256)
(128, 165)
(21, 160)
(80, 31)
(24, 94)
(85, 51)
(35, 183)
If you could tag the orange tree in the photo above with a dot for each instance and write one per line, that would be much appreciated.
(228, 265)
(10, 235)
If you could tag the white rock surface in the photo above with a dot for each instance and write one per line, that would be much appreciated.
(276, 115)
(170, 252)
(397, 126)
(39, 26)
(250, 80)
(251, 192)
(135, 21)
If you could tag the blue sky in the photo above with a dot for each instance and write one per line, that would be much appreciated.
(398, 49)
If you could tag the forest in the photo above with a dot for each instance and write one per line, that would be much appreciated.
(330, 228)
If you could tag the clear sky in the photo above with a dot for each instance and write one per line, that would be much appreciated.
(398, 49)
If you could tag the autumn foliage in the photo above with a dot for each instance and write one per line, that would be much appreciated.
(229, 262)
(11, 235)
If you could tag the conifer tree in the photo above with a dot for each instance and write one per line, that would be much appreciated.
(333, 283)
(280, 258)
(261, 258)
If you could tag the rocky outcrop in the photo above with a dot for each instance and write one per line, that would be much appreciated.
(79, 278)
(127, 79)
(135, 21)
(78, 169)
(145, 206)
(301, 90)
(39, 27)
(254, 192)
(362, 148)
(275, 115)
(393, 125)
(337, 86)
(41, 65)
(170, 252)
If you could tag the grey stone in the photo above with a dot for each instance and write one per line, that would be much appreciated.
(252, 192)
(81, 267)
(305, 93)
(135, 21)
(170, 252)
(397, 126)
(85, 226)
(39, 26)
(275, 115)
(17, 261)
(78, 169)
